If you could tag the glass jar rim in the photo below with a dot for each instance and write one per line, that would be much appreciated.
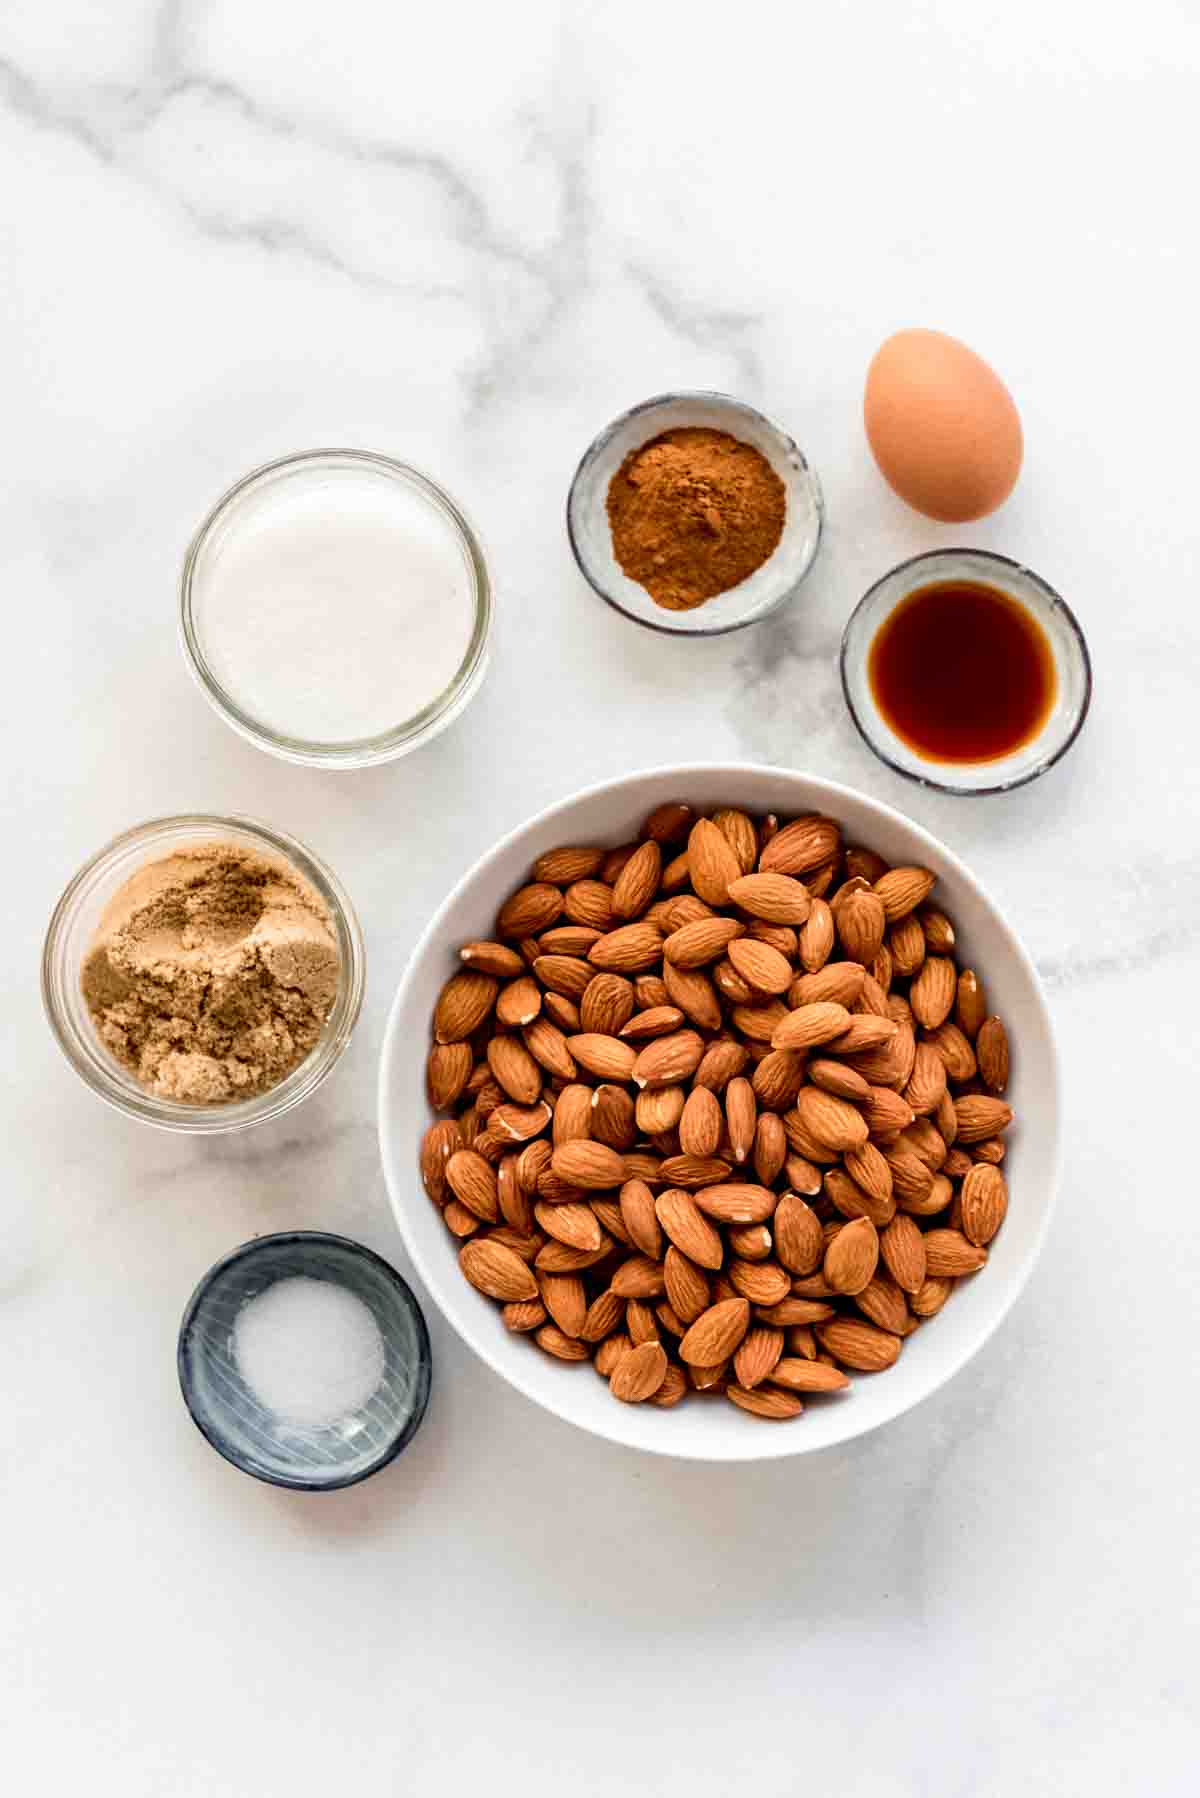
(360, 752)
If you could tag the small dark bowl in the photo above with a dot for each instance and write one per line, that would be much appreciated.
(226, 1411)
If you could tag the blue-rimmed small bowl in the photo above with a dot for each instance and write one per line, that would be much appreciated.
(307, 1458)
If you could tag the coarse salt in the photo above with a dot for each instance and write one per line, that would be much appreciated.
(310, 1350)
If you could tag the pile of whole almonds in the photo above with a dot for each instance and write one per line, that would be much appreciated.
(728, 1114)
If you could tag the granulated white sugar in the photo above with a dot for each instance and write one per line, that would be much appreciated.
(309, 1350)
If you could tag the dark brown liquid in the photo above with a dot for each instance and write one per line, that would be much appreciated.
(962, 672)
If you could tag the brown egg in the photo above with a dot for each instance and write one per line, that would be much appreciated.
(942, 426)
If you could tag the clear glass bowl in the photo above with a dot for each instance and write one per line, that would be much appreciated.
(324, 471)
(1068, 648)
(767, 588)
(70, 935)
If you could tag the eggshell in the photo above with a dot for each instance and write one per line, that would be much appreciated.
(942, 426)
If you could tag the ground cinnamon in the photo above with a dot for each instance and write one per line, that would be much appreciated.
(692, 513)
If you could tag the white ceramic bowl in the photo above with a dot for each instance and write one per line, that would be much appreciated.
(713, 1430)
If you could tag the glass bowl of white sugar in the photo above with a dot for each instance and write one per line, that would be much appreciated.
(336, 608)
(304, 1359)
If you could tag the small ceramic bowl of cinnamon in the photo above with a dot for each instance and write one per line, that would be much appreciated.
(693, 514)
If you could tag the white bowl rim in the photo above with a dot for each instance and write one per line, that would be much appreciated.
(765, 1445)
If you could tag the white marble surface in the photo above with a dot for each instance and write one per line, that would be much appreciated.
(470, 235)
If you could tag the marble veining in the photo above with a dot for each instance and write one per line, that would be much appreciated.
(471, 238)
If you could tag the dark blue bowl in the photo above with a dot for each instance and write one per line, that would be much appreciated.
(227, 1412)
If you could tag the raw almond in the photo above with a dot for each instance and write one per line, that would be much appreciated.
(716, 1333)
(591, 1165)
(970, 1005)
(564, 1297)
(695, 944)
(613, 1117)
(657, 1020)
(852, 1201)
(637, 882)
(659, 1109)
(902, 1248)
(641, 1219)
(741, 1116)
(669, 823)
(765, 1401)
(701, 1123)
(692, 1171)
(927, 1082)
(688, 1228)
(686, 1287)
(514, 1069)
(473, 1184)
(763, 969)
(692, 991)
(519, 1002)
(762, 1282)
(797, 1313)
(560, 867)
(574, 1224)
(562, 1347)
(572, 1114)
(605, 1056)
(984, 1203)
(859, 1344)
(958, 1057)
(991, 1047)
(932, 992)
(864, 1033)
(665, 1061)
(851, 1257)
(610, 1352)
(809, 1025)
(931, 1295)
(801, 846)
(463, 1004)
(492, 958)
(886, 1112)
(639, 1278)
(588, 904)
(775, 898)
(802, 1176)
(777, 1079)
(712, 864)
(751, 1242)
(740, 834)
(797, 1232)
(860, 920)
(833, 1122)
(949, 1254)
(736, 1203)
(816, 937)
(838, 983)
(883, 1303)
(530, 910)
(446, 1073)
(797, 1375)
(458, 1220)
(902, 890)
(606, 1005)
(906, 943)
(496, 1270)
(548, 1046)
(524, 1315)
(628, 949)
(757, 1354)
(721, 1062)
(639, 1374)
(980, 1116)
